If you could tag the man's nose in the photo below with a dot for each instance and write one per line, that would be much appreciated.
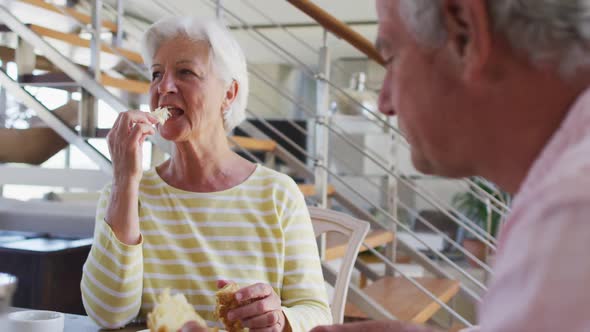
(385, 102)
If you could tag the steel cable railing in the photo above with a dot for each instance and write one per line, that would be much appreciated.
(405, 228)
(309, 72)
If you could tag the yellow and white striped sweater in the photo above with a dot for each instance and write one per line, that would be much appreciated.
(258, 231)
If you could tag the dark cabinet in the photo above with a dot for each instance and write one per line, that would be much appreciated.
(49, 270)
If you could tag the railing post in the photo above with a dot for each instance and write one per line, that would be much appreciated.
(321, 133)
(218, 10)
(118, 40)
(321, 122)
(3, 113)
(489, 220)
(392, 196)
(89, 104)
(25, 60)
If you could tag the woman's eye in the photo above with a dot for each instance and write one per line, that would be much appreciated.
(186, 72)
(155, 75)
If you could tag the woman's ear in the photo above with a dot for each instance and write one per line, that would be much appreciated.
(230, 95)
(468, 25)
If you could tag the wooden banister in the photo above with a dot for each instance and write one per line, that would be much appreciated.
(338, 28)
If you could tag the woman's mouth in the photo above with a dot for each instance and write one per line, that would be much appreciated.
(175, 112)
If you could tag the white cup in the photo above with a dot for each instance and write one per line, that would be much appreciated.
(35, 321)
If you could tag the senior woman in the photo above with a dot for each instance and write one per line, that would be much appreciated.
(206, 214)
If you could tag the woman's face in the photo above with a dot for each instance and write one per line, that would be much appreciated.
(183, 80)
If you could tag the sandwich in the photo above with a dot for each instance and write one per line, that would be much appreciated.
(162, 114)
(171, 313)
(226, 301)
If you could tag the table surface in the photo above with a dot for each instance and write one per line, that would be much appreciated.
(78, 323)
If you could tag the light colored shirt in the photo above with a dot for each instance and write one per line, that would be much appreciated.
(258, 231)
(542, 268)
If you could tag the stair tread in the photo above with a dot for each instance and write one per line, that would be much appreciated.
(255, 144)
(81, 17)
(74, 39)
(310, 190)
(126, 84)
(336, 243)
(404, 300)
(48, 79)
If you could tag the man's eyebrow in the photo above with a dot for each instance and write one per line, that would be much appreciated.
(184, 61)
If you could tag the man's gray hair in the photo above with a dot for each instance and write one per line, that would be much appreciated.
(226, 55)
(553, 30)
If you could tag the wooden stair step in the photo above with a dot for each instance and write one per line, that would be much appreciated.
(337, 243)
(254, 144)
(81, 17)
(404, 300)
(42, 63)
(56, 79)
(74, 39)
(309, 190)
(368, 257)
(126, 84)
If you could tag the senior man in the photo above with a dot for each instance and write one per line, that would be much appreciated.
(499, 88)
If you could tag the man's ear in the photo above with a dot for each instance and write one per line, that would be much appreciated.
(230, 95)
(469, 34)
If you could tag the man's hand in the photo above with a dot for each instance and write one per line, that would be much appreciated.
(374, 326)
(263, 314)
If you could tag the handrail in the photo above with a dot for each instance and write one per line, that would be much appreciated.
(338, 28)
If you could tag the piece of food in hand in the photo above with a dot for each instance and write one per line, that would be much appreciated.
(171, 313)
(226, 301)
(162, 114)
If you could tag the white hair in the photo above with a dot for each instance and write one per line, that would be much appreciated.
(553, 30)
(226, 55)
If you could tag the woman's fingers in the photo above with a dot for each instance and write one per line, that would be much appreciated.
(221, 283)
(126, 120)
(255, 308)
(256, 291)
(267, 319)
(139, 132)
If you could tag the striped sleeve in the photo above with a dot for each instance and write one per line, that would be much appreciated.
(303, 293)
(112, 275)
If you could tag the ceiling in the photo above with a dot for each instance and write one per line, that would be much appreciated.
(263, 14)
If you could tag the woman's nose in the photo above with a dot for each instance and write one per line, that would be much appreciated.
(167, 84)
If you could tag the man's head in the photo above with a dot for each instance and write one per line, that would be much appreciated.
(473, 80)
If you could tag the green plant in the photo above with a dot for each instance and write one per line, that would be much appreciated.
(477, 209)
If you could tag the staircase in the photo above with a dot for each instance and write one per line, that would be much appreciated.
(393, 294)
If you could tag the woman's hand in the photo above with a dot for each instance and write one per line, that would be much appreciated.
(264, 314)
(192, 326)
(125, 142)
